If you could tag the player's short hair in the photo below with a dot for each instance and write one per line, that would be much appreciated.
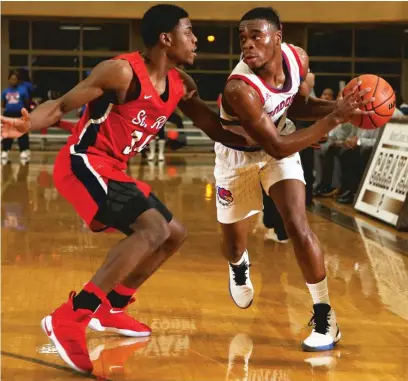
(264, 13)
(161, 18)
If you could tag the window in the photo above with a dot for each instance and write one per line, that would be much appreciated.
(57, 80)
(55, 61)
(18, 34)
(210, 85)
(329, 42)
(332, 82)
(91, 62)
(62, 68)
(330, 67)
(18, 60)
(294, 34)
(54, 35)
(395, 83)
(236, 48)
(378, 42)
(221, 41)
(107, 37)
(378, 68)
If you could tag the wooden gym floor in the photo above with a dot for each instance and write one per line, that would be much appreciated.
(199, 334)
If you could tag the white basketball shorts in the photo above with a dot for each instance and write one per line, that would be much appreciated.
(239, 176)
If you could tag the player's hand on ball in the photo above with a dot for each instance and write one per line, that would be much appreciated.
(15, 127)
(349, 106)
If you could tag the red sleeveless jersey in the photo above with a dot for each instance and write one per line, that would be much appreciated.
(124, 130)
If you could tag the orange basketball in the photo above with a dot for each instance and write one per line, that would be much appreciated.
(172, 134)
(383, 105)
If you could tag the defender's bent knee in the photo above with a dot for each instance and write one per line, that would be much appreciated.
(152, 228)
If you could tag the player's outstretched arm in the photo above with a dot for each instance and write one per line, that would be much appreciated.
(310, 108)
(203, 117)
(108, 75)
(247, 105)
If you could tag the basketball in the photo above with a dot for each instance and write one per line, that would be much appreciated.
(172, 134)
(383, 105)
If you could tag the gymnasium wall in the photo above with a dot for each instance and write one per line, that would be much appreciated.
(58, 42)
(298, 11)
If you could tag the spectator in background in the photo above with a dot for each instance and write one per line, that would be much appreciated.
(307, 155)
(329, 156)
(162, 144)
(14, 99)
(401, 105)
(326, 183)
(25, 81)
(354, 157)
(327, 94)
(176, 119)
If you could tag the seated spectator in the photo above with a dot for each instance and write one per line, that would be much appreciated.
(321, 148)
(327, 95)
(401, 105)
(330, 173)
(354, 156)
(307, 154)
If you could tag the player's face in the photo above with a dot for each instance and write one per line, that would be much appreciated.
(13, 80)
(259, 42)
(183, 43)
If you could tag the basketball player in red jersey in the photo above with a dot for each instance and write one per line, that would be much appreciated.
(129, 99)
(256, 100)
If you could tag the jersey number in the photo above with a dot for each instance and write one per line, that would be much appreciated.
(139, 141)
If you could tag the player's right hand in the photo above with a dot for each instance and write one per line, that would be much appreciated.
(15, 127)
(349, 106)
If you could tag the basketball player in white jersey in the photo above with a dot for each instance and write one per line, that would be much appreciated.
(255, 102)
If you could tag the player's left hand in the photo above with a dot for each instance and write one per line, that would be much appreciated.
(351, 105)
(358, 110)
(15, 127)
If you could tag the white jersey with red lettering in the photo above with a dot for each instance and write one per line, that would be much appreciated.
(240, 172)
(275, 101)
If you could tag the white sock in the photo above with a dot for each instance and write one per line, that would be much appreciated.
(319, 292)
(241, 260)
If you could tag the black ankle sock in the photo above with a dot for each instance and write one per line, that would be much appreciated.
(118, 300)
(87, 301)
